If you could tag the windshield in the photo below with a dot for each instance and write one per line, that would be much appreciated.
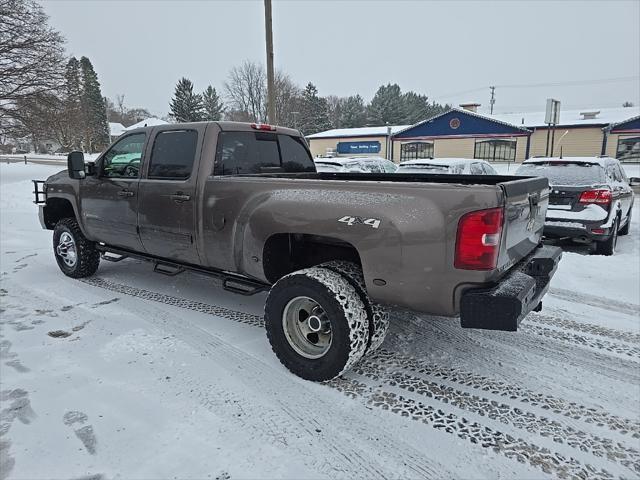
(564, 173)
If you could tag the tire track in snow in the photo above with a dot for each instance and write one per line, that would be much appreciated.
(589, 328)
(552, 404)
(598, 446)
(513, 448)
(513, 392)
(518, 449)
(337, 456)
(596, 301)
(241, 317)
(425, 330)
(633, 352)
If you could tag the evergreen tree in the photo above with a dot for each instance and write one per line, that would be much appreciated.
(94, 109)
(314, 116)
(186, 106)
(387, 106)
(212, 104)
(416, 108)
(72, 100)
(353, 112)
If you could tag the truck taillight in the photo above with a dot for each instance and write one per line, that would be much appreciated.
(478, 239)
(263, 126)
(596, 196)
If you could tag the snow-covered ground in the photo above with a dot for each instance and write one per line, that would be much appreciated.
(130, 374)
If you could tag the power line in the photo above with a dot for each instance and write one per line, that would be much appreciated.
(572, 83)
(550, 84)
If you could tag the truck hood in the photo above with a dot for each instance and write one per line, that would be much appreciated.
(61, 177)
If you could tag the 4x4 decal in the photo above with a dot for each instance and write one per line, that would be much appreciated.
(349, 220)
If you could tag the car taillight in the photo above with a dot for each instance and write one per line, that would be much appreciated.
(478, 239)
(263, 126)
(596, 196)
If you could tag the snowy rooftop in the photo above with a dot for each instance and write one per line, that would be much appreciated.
(149, 122)
(570, 117)
(115, 129)
(358, 132)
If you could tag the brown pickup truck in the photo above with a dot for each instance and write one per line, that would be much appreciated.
(244, 202)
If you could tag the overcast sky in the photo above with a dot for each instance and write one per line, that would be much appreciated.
(442, 49)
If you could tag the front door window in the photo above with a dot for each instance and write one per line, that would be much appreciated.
(124, 157)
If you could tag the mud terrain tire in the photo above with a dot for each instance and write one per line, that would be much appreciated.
(378, 315)
(87, 258)
(343, 313)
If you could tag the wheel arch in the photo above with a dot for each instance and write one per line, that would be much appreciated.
(287, 252)
(57, 208)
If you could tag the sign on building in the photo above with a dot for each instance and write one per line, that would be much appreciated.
(358, 147)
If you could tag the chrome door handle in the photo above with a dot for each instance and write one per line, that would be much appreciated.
(125, 193)
(180, 197)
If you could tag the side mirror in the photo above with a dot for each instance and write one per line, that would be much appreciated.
(75, 165)
(634, 181)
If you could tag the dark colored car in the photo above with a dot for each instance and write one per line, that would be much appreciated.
(245, 203)
(590, 200)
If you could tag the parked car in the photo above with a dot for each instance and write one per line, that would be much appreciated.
(244, 203)
(355, 165)
(591, 199)
(449, 166)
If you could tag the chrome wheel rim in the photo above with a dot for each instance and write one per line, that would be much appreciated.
(66, 249)
(307, 327)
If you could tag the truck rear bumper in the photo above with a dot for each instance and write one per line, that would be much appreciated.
(503, 306)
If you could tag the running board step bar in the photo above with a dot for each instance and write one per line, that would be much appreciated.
(232, 282)
(167, 269)
(112, 257)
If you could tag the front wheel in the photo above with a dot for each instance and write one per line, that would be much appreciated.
(316, 323)
(77, 257)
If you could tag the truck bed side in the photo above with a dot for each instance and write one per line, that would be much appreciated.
(404, 232)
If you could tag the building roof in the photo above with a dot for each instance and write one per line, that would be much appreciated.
(605, 116)
(149, 122)
(463, 111)
(475, 123)
(358, 132)
(115, 129)
(630, 125)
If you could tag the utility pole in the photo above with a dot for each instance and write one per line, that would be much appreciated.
(493, 98)
(271, 94)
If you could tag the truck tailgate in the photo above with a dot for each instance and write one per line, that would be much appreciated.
(525, 207)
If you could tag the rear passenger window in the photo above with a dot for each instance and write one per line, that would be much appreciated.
(173, 154)
(295, 156)
(261, 152)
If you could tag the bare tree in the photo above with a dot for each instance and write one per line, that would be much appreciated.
(31, 54)
(122, 110)
(335, 106)
(246, 90)
(287, 102)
